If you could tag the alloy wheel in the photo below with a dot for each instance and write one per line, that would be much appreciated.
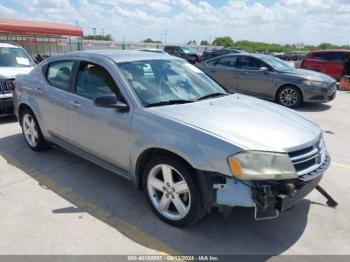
(289, 97)
(30, 130)
(169, 192)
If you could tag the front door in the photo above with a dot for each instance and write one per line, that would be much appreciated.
(101, 132)
(251, 80)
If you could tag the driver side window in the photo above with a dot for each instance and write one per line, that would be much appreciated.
(93, 80)
(250, 63)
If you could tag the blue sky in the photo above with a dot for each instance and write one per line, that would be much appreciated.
(279, 21)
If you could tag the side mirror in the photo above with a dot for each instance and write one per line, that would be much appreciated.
(263, 69)
(110, 102)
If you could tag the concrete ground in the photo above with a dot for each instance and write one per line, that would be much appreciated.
(56, 203)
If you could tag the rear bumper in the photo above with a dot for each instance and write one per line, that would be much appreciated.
(6, 106)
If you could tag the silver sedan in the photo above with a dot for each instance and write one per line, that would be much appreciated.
(270, 78)
(163, 124)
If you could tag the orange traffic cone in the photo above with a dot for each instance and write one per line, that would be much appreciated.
(344, 83)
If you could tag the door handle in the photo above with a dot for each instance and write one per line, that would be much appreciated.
(38, 89)
(75, 104)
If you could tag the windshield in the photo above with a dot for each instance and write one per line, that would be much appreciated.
(188, 50)
(159, 82)
(277, 64)
(14, 57)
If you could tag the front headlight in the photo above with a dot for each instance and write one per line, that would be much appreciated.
(257, 165)
(314, 83)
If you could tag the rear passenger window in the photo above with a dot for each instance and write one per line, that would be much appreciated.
(93, 81)
(59, 74)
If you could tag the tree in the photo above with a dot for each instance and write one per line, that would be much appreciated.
(192, 42)
(149, 40)
(204, 42)
(107, 37)
(225, 41)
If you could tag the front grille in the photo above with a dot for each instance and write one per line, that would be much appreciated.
(6, 86)
(305, 159)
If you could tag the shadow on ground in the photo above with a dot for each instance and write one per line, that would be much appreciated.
(7, 119)
(116, 202)
(313, 107)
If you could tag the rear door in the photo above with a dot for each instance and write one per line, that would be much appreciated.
(224, 70)
(100, 132)
(251, 80)
(58, 85)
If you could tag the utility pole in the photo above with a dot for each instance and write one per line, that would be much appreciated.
(165, 33)
(103, 31)
(94, 30)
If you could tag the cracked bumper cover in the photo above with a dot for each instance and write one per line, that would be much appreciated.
(269, 196)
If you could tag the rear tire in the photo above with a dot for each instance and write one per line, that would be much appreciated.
(172, 191)
(32, 132)
(289, 96)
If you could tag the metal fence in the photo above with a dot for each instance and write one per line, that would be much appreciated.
(63, 44)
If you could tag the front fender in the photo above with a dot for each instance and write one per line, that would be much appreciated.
(203, 151)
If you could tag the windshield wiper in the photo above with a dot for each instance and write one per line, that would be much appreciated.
(169, 102)
(211, 95)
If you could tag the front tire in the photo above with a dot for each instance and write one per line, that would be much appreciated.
(172, 192)
(32, 132)
(290, 96)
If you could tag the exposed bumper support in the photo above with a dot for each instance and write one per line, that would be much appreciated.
(269, 197)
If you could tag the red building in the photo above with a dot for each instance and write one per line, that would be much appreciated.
(41, 37)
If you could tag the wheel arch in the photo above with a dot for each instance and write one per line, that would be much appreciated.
(150, 153)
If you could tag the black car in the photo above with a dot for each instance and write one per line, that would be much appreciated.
(184, 52)
(218, 52)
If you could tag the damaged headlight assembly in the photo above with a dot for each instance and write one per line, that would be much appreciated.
(260, 165)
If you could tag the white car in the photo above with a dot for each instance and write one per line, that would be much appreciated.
(14, 60)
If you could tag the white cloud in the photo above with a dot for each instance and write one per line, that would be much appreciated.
(284, 21)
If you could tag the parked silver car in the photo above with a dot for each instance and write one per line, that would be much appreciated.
(166, 126)
(270, 78)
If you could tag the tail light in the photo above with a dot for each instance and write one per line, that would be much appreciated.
(13, 85)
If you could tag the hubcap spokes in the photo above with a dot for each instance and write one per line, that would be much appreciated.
(289, 97)
(30, 130)
(169, 192)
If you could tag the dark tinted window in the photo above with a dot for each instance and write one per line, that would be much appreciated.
(93, 81)
(251, 63)
(59, 74)
(229, 61)
(329, 56)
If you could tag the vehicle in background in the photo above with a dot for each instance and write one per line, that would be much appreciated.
(14, 60)
(218, 52)
(329, 62)
(293, 56)
(184, 52)
(154, 50)
(163, 124)
(270, 78)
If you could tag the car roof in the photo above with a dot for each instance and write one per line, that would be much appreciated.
(330, 50)
(120, 56)
(8, 45)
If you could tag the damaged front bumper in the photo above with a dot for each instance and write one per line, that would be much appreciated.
(268, 197)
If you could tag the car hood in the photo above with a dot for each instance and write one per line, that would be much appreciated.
(12, 72)
(311, 75)
(247, 122)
